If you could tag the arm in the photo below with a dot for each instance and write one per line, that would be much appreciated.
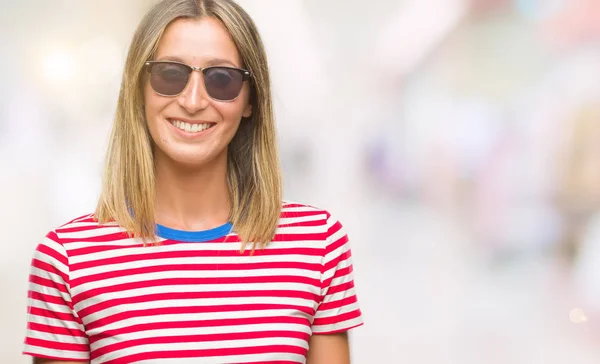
(338, 310)
(54, 334)
(328, 349)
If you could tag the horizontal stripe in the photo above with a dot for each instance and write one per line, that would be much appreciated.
(339, 275)
(344, 302)
(54, 322)
(292, 255)
(62, 346)
(205, 340)
(167, 352)
(298, 224)
(132, 246)
(65, 337)
(44, 269)
(87, 231)
(320, 321)
(200, 299)
(338, 327)
(56, 330)
(65, 317)
(195, 312)
(338, 296)
(180, 300)
(273, 358)
(98, 238)
(196, 271)
(290, 213)
(56, 354)
(184, 328)
(42, 297)
(48, 283)
(61, 307)
(178, 322)
(340, 288)
(194, 285)
(123, 283)
(51, 248)
(232, 267)
(336, 312)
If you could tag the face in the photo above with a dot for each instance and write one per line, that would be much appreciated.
(197, 43)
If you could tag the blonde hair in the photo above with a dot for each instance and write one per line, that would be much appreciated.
(253, 170)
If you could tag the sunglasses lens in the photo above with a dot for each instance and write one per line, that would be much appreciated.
(223, 83)
(169, 78)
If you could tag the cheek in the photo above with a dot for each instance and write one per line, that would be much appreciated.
(152, 107)
(153, 104)
(235, 110)
(232, 114)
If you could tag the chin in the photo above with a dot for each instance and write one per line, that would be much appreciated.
(187, 160)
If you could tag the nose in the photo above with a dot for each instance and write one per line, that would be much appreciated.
(194, 98)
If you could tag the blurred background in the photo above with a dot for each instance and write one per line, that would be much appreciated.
(457, 140)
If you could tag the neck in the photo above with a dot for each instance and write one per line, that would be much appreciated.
(191, 199)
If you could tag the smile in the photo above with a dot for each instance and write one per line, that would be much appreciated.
(191, 127)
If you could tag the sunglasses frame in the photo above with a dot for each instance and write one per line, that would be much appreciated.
(246, 75)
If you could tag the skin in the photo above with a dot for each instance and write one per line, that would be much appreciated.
(328, 349)
(184, 163)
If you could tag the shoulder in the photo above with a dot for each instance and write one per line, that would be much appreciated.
(305, 212)
(54, 246)
(302, 223)
(85, 222)
(299, 212)
(84, 227)
(316, 219)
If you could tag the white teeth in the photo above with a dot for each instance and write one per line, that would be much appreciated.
(190, 128)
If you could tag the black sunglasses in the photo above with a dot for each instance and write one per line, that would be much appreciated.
(169, 78)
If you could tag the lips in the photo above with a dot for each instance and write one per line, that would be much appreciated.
(191, 126)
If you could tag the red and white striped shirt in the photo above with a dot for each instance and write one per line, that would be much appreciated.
(97, 295)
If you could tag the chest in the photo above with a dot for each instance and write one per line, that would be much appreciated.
(184, 304)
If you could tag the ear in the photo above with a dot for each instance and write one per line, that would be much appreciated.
(247, 111)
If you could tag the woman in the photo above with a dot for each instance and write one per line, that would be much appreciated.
(190, 256)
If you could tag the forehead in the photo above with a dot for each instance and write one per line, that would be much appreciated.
(197, 42)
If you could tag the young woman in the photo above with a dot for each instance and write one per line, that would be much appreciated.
(191, 256)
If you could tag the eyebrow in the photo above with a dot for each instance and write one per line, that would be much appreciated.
(212, 62)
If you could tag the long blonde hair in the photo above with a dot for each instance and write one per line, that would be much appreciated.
(253, 170)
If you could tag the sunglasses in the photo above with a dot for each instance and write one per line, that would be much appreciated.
(169, 78)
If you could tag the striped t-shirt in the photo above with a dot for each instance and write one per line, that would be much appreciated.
(98, 295)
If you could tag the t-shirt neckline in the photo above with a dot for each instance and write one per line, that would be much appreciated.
(193, 236)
